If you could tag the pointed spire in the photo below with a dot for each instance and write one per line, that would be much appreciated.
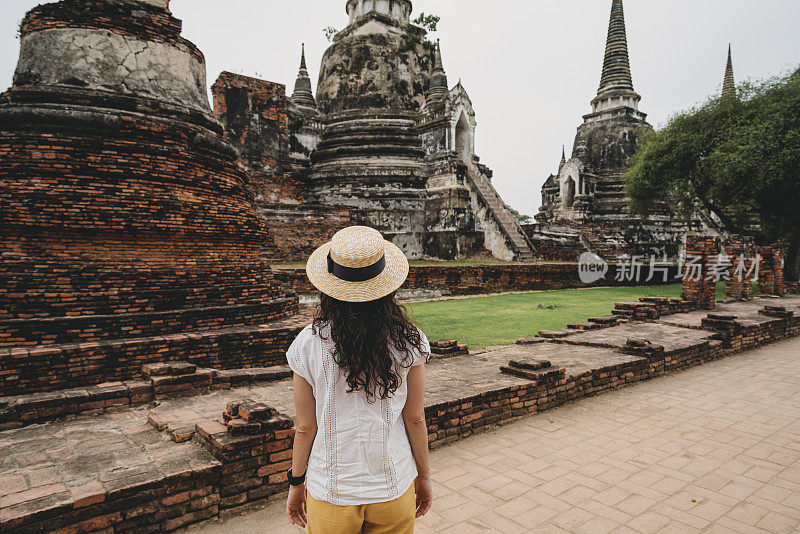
(616, 66)
(438, 65)
(616, 85)
(563, 157)
(438, 86)
(303, 96)
(729, 84)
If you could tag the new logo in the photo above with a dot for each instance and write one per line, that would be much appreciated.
(591, 268)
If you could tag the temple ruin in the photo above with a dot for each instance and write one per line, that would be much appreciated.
(584, 205)
(385, 142)
(143, 380)
(129, 235)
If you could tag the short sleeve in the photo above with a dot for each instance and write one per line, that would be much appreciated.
(297, 355)
(425, 350)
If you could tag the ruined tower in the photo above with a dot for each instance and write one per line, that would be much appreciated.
(464, 214)
(585, 204)
(590, 182)
(371, 85)
(128, 233)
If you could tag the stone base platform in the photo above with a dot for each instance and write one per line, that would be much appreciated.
(124, 471)
(50, 368)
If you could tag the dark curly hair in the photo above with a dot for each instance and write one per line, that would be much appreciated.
(364, 333)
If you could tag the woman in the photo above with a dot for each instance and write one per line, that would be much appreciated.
(360, 459)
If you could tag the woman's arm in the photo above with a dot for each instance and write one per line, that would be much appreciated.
(305, 430)
(305, 426)
(417, 430)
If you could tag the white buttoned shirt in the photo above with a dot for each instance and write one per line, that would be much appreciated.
(361, 453)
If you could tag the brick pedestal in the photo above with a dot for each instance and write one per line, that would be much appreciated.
(725, 324)
(739, 285)
(448, 348)
(699, 286)
(254, 443)
(771, 280)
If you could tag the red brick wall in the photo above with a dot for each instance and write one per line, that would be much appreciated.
(256, 121)
(481, 279)
(264, 148)
(100, 276)
(254, 444)
(136, 219)
(114, 176)
(128, 236)
(31, 369)
(267, 99)
(297, 237)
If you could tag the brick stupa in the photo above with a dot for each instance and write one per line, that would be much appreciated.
(128, 234)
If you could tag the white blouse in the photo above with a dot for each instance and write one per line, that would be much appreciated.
(361, 454)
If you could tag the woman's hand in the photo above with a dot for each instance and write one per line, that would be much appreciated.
(296, 505)
(424, 492)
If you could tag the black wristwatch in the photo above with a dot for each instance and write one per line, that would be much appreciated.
(295, 481)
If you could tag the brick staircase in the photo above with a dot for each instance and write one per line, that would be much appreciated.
(521, 244)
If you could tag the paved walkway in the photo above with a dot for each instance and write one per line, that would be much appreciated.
(712, 449)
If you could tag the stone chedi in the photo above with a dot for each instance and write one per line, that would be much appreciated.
(590, 182)
(384, 142)
(128, 233)
(585, 204)
(370, 87)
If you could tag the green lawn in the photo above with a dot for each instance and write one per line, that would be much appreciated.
(502, 319)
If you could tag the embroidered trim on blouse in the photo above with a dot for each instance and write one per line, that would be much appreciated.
(388, 461)
(331, 442)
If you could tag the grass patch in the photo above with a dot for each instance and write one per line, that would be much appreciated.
(455, 263)
(502, 319)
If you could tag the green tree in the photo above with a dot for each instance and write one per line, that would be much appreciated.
(329, 32)
(737, 156)
(429, 22)
(520, 217)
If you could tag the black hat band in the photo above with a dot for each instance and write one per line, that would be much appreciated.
(356, 274)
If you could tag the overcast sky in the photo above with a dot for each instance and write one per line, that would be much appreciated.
(530, 66)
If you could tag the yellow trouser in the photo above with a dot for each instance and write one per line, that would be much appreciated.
(393, 517)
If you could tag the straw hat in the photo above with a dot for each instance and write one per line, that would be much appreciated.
(357, 265)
